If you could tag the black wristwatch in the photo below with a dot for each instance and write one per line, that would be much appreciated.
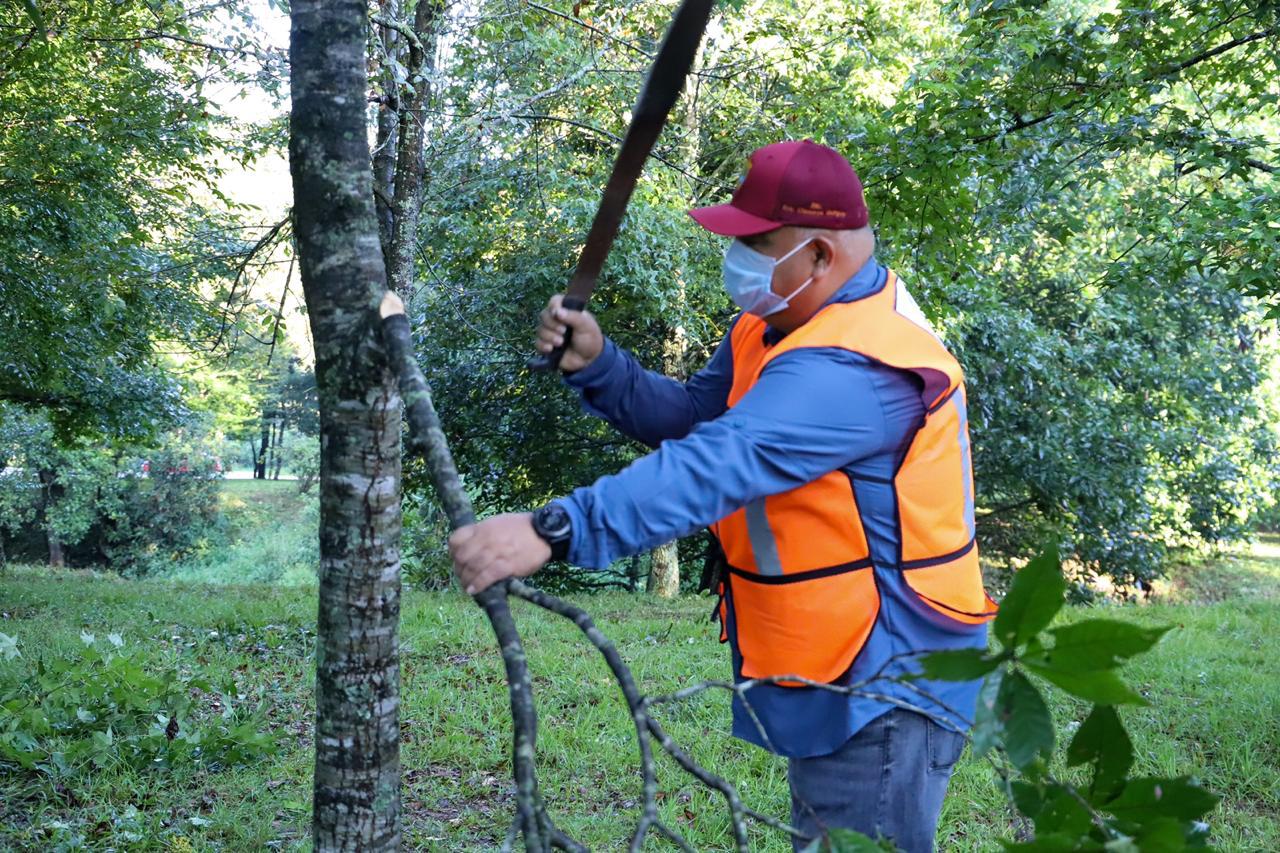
(552, 523)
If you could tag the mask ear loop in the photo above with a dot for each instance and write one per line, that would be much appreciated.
(793, 294)
(792, 252)
(786, 300)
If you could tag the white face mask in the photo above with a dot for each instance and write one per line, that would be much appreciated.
(748, 276)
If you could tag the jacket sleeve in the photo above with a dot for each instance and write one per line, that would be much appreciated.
(812, 411)
(647, 406)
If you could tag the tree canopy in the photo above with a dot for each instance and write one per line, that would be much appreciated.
(114, 231)
(1082, 196)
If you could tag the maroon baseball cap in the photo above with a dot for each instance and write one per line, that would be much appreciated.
(790, 183)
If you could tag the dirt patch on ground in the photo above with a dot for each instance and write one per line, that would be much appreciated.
(441, 801)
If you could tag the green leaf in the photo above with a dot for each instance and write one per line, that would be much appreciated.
(1062, 812)
(848, 841)
(1028, 727)
(1098, 644)
(957, 664)
(1028, 798)
(1050, 843)
(1162, 834)
(1179, 798)
(1103, 742)
(1102, 687)
(36, 16)
(1037, 594)
(9, 647)
(987, 727)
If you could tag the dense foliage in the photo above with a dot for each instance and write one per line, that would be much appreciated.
(112, 220)
(127, 278)
(1083, 197)
(132, 507)
(106, 707)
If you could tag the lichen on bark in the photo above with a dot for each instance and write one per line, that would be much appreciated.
(357, 763)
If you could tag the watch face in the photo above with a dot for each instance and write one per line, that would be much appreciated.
(552, 521)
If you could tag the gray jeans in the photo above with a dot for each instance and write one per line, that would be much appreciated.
(887, 781)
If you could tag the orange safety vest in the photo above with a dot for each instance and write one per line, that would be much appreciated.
(800, 571)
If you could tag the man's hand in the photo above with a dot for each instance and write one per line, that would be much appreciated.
(587, 341)
(497, 548)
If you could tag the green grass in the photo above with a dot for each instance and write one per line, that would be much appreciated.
(1213, 682)
(270, 538)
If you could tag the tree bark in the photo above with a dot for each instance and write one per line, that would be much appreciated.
(357, 767)
(409, 154)
(664, 561)
(384, 157)
(664, 571)
(52, 492)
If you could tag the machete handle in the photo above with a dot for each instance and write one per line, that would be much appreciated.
(551, 361)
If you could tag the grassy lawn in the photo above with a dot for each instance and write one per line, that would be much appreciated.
(1214, 684)
(270, 538)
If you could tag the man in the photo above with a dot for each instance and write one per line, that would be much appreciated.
(826, 443)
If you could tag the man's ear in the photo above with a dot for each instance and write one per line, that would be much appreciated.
(825, 254)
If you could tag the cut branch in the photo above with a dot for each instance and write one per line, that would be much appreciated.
(426, 438)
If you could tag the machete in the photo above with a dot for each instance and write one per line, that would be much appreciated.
(666, 79)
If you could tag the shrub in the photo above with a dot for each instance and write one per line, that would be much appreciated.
(104, 707)
(424, 543)
(127, 507)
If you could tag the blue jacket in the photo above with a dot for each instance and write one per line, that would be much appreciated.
(812, 411)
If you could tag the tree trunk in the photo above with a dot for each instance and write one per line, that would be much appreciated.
(357, 768)
(409, 162)
(51, 493)
(664, 561)
(278, 447)
(260, 461)
(384, 152)
(664, 571)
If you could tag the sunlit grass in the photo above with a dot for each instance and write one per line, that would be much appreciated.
(1213, 683)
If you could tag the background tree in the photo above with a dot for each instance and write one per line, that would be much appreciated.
(110, 223)
(1080, 198)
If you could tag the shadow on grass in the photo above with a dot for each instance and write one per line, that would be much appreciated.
(1246, 571)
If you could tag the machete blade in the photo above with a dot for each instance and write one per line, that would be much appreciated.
(661, 89)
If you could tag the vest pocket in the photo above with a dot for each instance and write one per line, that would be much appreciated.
(811, 625)
(952, 587)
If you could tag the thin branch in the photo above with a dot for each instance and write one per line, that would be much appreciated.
(608, 135)
(402, 28)
(630, 692)
(1217, 51)
(154, 35)
(241, 268)
(284, 293)
(607, 35)
(1161, 74)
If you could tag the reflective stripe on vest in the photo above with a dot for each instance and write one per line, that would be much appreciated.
(801, 576)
